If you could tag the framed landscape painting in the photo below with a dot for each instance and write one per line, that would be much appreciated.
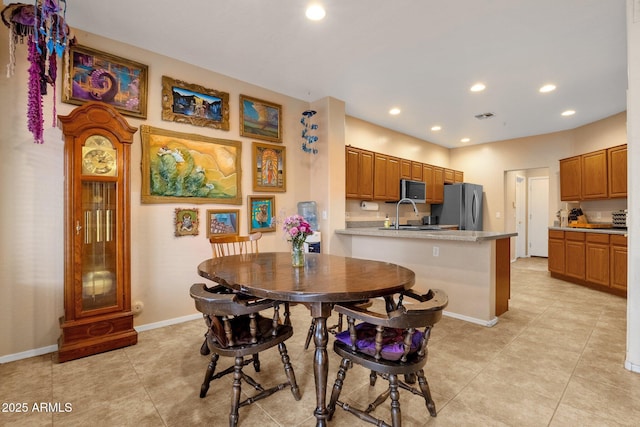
(269, 167)
(260, 119)
(98, 76)
(222, 222)
(181, 167)
(262, 213)
(189, 103)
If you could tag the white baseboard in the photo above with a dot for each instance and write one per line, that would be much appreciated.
(631, 366)
(52, 348)
(487, 323)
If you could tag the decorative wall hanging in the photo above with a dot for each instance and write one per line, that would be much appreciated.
(92, 75)
(269, 173)
(179, 167)
(188, 103)
(186, 221)
(260, 119)
(48, 37)
(262, 213)
(307, 138)
(223, 222)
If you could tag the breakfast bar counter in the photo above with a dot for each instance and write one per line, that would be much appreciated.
(472, 267)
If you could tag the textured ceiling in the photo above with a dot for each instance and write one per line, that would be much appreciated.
(419, 55)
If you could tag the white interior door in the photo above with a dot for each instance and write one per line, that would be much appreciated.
(538, 223)
(521, 217)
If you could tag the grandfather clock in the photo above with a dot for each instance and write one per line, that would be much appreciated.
(97, 286)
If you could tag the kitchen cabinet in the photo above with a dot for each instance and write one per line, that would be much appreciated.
(427, 177)
(597, 258)
(574, 252)
(617, 171)
(416, 171)
(618, 261)
(458, 177)
(359, 174)
(449, 176)
(597, 175)
(570, 178)
(405, 168)
(386, 177)
(438, 185)
(594, 175)
(556, 251)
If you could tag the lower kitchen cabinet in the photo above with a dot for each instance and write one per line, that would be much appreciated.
(597, 260)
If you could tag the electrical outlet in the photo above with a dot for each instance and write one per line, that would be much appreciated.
(436, 251)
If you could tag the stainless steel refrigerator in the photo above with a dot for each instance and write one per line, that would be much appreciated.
(462, 206)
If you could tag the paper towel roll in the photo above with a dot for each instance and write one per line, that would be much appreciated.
(369, 206)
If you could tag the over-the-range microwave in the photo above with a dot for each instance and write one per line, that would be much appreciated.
(414, 190)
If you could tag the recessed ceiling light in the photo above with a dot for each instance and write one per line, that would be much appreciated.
(568, 113)
(315, 12)
(547, 88)
(478, 87)
(436, 128)
(394, 111)
(465, 140)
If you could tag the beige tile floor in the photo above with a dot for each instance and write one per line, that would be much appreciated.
(554, 359)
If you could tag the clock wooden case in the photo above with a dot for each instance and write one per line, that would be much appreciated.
(97, 286)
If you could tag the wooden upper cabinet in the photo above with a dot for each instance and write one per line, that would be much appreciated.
(449, 176)
(438, 185)
(386, 177)
(405, 169)
(594, 175)
(570, 178)
(416, 171)
(427, 177)
(359, 174)
(617, 158)
(458, 177)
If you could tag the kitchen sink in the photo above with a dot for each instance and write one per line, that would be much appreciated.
(414, 228)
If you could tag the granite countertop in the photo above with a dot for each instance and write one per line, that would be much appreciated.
(444, 234)
(621, 231)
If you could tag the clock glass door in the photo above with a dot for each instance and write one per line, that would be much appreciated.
(99, 257)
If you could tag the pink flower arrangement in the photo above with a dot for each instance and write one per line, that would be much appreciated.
(296, 229)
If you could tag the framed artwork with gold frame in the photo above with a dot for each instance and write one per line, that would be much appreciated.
(182, 167)
(93, 75)
(269, 173)
(223, 222)
(186, 222)
(260, 119)
(194, 104)
(262, 213)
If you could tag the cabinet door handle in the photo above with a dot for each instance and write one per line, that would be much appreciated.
(78, 227)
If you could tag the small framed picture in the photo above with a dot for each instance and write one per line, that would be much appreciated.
(260, 119)
(222, 222)
(186, 222)
(269, 172)
(262, 213)
(189, 103)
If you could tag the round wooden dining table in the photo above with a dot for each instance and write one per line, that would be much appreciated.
(323, 281)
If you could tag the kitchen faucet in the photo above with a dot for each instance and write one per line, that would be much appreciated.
(415, 209)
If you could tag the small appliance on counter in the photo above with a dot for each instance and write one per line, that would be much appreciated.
(619, 218)
(429, 220)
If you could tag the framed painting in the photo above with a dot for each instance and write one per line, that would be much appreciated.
(186, 222)
(92, 75)
(269, 172)
(182, 167)
(189, 103)
(222, 222)
(262, 213)
(260, 119)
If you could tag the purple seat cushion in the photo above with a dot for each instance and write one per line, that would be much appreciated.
(392, 339)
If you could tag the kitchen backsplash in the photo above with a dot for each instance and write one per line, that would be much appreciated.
(598, 211)
(354, 213)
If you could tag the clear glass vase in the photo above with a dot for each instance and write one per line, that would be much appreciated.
(297, 254)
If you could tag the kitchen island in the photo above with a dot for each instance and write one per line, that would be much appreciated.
(472, 267)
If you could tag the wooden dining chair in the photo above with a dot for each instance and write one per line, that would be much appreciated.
(238, 328)
(390, 343)
(233, 245)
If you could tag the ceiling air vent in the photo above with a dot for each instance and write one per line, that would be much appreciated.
(484, 116)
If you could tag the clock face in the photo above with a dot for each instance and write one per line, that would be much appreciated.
(99, 161)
